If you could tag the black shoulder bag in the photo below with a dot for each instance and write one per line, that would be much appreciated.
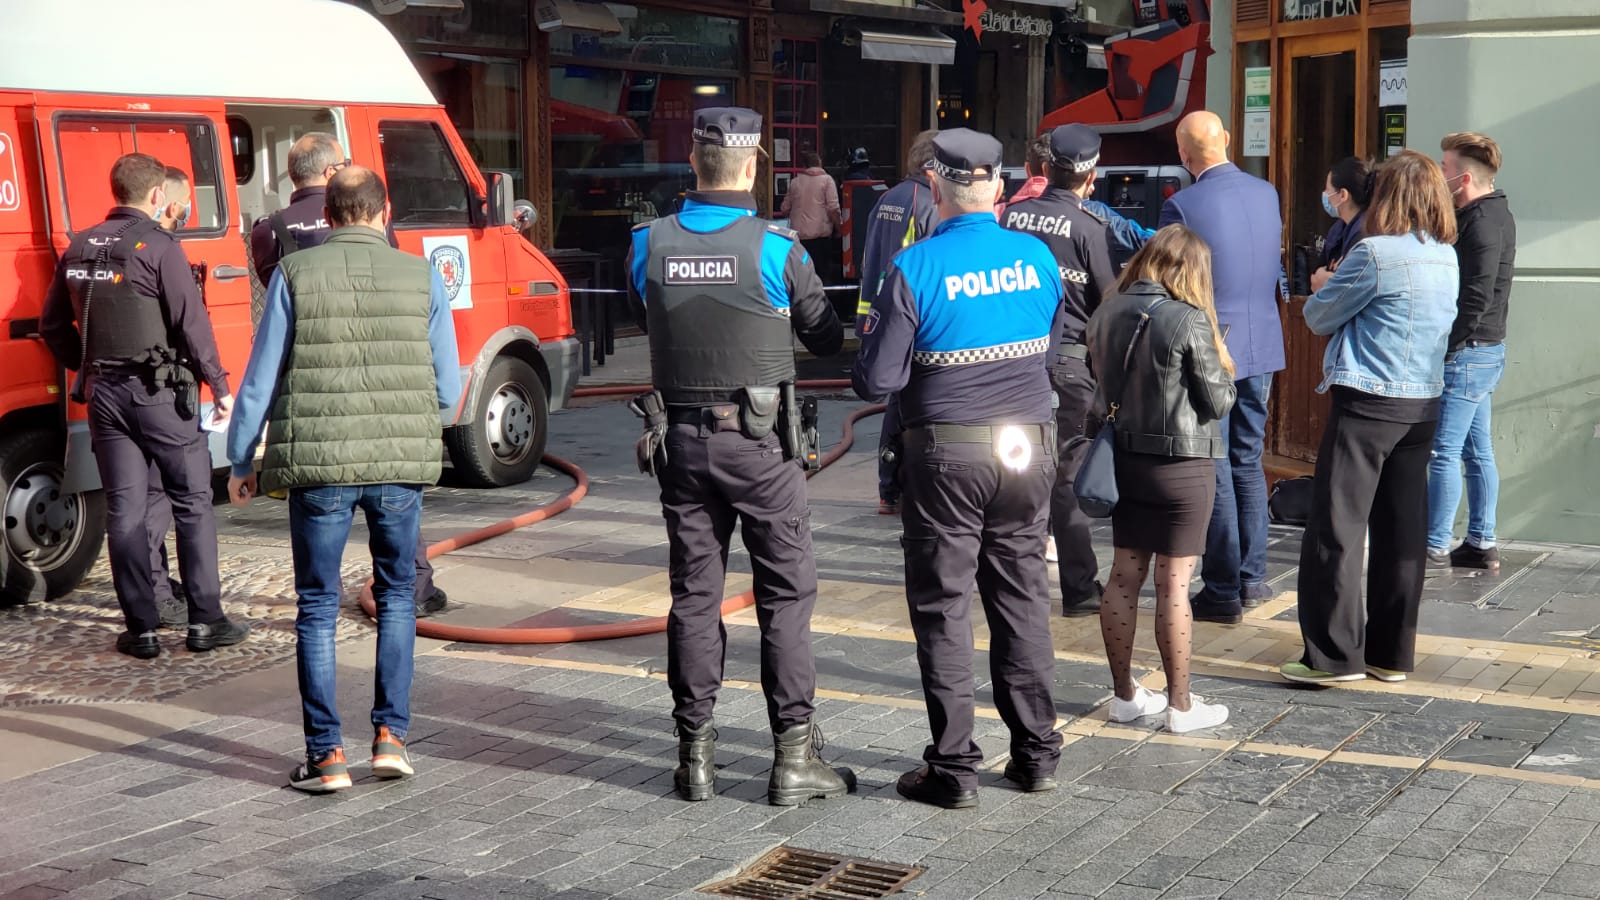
(1096, 484)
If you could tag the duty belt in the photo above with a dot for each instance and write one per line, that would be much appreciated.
(721, 417)
(1071, 351)
(973, 434)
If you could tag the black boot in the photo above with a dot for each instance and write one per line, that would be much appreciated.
(696, 778)
(798, 773)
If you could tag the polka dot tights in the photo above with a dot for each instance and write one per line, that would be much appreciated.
(1119, 616)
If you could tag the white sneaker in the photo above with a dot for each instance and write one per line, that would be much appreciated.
(1199, 715)
(1050, 550)
(1145, 702)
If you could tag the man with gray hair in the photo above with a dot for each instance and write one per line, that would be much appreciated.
(961, 330)
(313, 160)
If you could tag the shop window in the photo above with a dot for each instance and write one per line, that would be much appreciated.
(426, 187)
(483, 96)
(861, 108)
(797, 121)
(657, 38)
(89, 145)
(490, 24)
(1389, 45)
(1253, 132)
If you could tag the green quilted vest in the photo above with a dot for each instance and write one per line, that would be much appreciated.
(356, 402)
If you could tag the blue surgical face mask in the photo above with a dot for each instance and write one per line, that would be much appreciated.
(1328, 207)
(183, 217)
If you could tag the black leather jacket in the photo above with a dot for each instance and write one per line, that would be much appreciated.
(1174, 389)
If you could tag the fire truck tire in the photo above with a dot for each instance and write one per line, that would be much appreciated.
(510, 426)
(51, 539)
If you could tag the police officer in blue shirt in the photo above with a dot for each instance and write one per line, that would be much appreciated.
(962, 329)
(721, 292)
(1079, 241)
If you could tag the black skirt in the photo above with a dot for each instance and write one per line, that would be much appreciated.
(1164, 503)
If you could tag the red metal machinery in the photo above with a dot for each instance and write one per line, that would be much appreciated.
(1156, 75)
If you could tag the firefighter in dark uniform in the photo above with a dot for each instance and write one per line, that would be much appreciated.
(962, 330)
(721, 291)
(1079, 240)
(313, 159)
(901, 217)
(124, 313)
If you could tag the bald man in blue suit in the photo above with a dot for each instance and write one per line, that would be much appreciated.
(1239, 216)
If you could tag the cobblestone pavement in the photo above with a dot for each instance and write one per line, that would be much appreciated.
(546, 771)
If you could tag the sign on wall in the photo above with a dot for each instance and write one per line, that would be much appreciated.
(1392, 82)
(1257, 111)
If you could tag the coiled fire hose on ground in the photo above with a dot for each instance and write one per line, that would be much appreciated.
(430, 628)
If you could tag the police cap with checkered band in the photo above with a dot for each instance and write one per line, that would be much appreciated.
(728, 126)
(1074, 148)
(964, 156)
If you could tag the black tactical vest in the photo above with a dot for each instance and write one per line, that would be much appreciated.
(712, 328)
(120, 325)
(1055, 220)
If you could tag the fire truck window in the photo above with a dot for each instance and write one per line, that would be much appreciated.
(87, 147)
(242, 143)
(426, 187)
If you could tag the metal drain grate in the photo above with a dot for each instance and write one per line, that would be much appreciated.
(789, 873)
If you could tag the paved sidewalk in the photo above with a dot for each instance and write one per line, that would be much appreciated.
(546, 771)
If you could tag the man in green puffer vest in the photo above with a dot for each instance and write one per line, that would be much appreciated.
(355, 355)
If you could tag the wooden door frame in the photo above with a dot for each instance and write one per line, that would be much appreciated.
(1290, 49)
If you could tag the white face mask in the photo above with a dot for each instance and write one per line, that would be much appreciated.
(1456, 191)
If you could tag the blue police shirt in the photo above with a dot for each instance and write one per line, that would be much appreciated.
(790, 280)
(963, 326)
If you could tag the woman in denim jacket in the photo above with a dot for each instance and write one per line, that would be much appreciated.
(1389, 308)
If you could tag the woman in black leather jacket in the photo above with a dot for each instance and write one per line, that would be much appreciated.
(1167, 387)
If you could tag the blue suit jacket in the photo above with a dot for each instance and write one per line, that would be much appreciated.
(1238, 215)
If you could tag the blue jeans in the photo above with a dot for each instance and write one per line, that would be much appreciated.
(1470, 376)
(319, 526)
(1236, 539)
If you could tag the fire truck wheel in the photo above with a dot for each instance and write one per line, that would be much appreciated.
(506, 439)
(51, 538)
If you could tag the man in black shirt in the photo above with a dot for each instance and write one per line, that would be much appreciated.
(123, 312)
(1486, 250)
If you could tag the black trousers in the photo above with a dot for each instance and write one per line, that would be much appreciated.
(1078, 567)
(1372, 476)
(967, 519)
(712, 481)
(134, 429)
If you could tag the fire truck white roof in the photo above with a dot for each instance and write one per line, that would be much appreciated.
(315, 50)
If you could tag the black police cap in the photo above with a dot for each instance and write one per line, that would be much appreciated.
(963, 156)
(728, 126)
(1074, 148)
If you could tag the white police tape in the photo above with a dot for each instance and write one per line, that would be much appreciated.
(831, 287)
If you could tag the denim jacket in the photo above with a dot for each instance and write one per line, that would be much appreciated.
(1389, 308)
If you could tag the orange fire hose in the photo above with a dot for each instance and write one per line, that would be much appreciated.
(561, 635)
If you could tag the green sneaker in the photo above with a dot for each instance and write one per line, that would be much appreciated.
(389, 756)
(328, 773)
(1303, 674)
(1389, 676)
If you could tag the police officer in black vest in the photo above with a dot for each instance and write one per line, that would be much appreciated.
(961, 329)
(313, 159)
(125, 314)
(721, 291)
(1080, 242)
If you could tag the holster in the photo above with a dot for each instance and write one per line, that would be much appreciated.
(758, 411)
(168, 370)
(797, 428)
(650, 451)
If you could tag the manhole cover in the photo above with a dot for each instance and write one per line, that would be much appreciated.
(788, 873)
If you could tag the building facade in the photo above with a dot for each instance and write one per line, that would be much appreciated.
(1306, 82)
